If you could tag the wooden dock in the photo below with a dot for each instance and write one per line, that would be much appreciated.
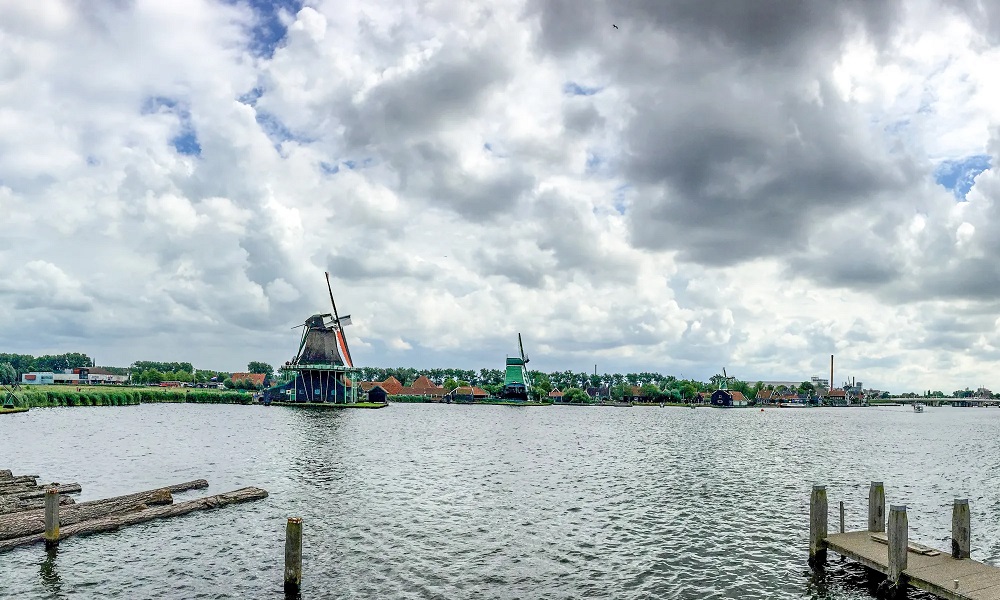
(947, 574)
(935, 574)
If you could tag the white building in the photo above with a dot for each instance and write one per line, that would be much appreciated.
(820, 383)
(78, 376)
(38, 378)
(97, 375)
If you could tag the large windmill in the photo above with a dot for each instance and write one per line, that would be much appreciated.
(322, 362)
(517, 381)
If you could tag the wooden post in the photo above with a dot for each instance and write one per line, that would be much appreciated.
(51, 517)
(293, 554)
(841, 516)
(876, 507)
(818, 514)
(898, 541)
(961, 529)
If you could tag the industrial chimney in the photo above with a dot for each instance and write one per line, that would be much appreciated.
(831, 372)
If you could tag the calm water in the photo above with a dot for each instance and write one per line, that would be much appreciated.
(437, 501)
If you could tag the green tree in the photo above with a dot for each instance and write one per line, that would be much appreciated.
(542, 381)
(256, 366)
(7, 374)
(576, 396)
(651, 392)
(450, 384)
(807, 387)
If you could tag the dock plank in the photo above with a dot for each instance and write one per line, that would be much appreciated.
(936, 574)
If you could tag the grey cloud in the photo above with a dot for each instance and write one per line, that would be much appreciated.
(372, 264)
(772, 30)
(728, 179)
(732, 157)
(431, 172)
(448, 89)
(509, 263)
(567, 229)
(844, 260)
(580, 117)
(982, 14)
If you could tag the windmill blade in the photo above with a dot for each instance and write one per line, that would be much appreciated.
(520, 346)
(340, 331)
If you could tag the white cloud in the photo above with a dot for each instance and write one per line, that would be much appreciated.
(712, 197)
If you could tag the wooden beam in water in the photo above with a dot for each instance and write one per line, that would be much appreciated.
(14, 506)
(115, 522)
(25, 523)
(39, 491)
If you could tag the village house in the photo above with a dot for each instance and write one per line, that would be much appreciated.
(258, 380)
(374, 392)
(729, 398)
(765, 397)
(466, 394)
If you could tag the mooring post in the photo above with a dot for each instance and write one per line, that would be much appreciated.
(818, 514)
(841, 516)
(293, 554)
(876, 507)
(898, 542)
(961, 529)
(51, 517)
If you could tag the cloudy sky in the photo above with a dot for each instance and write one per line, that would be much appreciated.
(753, 186)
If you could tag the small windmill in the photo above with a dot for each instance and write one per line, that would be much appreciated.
(725, 380)
(9, 399)
(517, 381)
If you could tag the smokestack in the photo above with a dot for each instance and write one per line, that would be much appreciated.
(831, 372)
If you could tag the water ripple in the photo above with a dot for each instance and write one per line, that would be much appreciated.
(429, 502)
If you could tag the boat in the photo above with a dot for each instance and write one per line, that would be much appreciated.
(918, 407)
(792, 405)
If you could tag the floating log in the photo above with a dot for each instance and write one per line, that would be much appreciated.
(16, 488)
(18, 506)
(22, 524)
(114, 522)
(39, 491)
(27, 523)
(10, 479)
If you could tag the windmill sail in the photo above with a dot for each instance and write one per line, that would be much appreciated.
(341, 340)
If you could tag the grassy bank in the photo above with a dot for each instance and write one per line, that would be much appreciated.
(9, 411)
(57, 395)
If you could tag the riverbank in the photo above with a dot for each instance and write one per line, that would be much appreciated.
(55, 395)
(330, 405)
(10, 411)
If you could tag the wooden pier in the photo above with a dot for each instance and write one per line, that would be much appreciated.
(952, 575)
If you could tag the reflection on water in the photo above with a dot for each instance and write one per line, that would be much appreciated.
(48, 573)
(428, 501)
